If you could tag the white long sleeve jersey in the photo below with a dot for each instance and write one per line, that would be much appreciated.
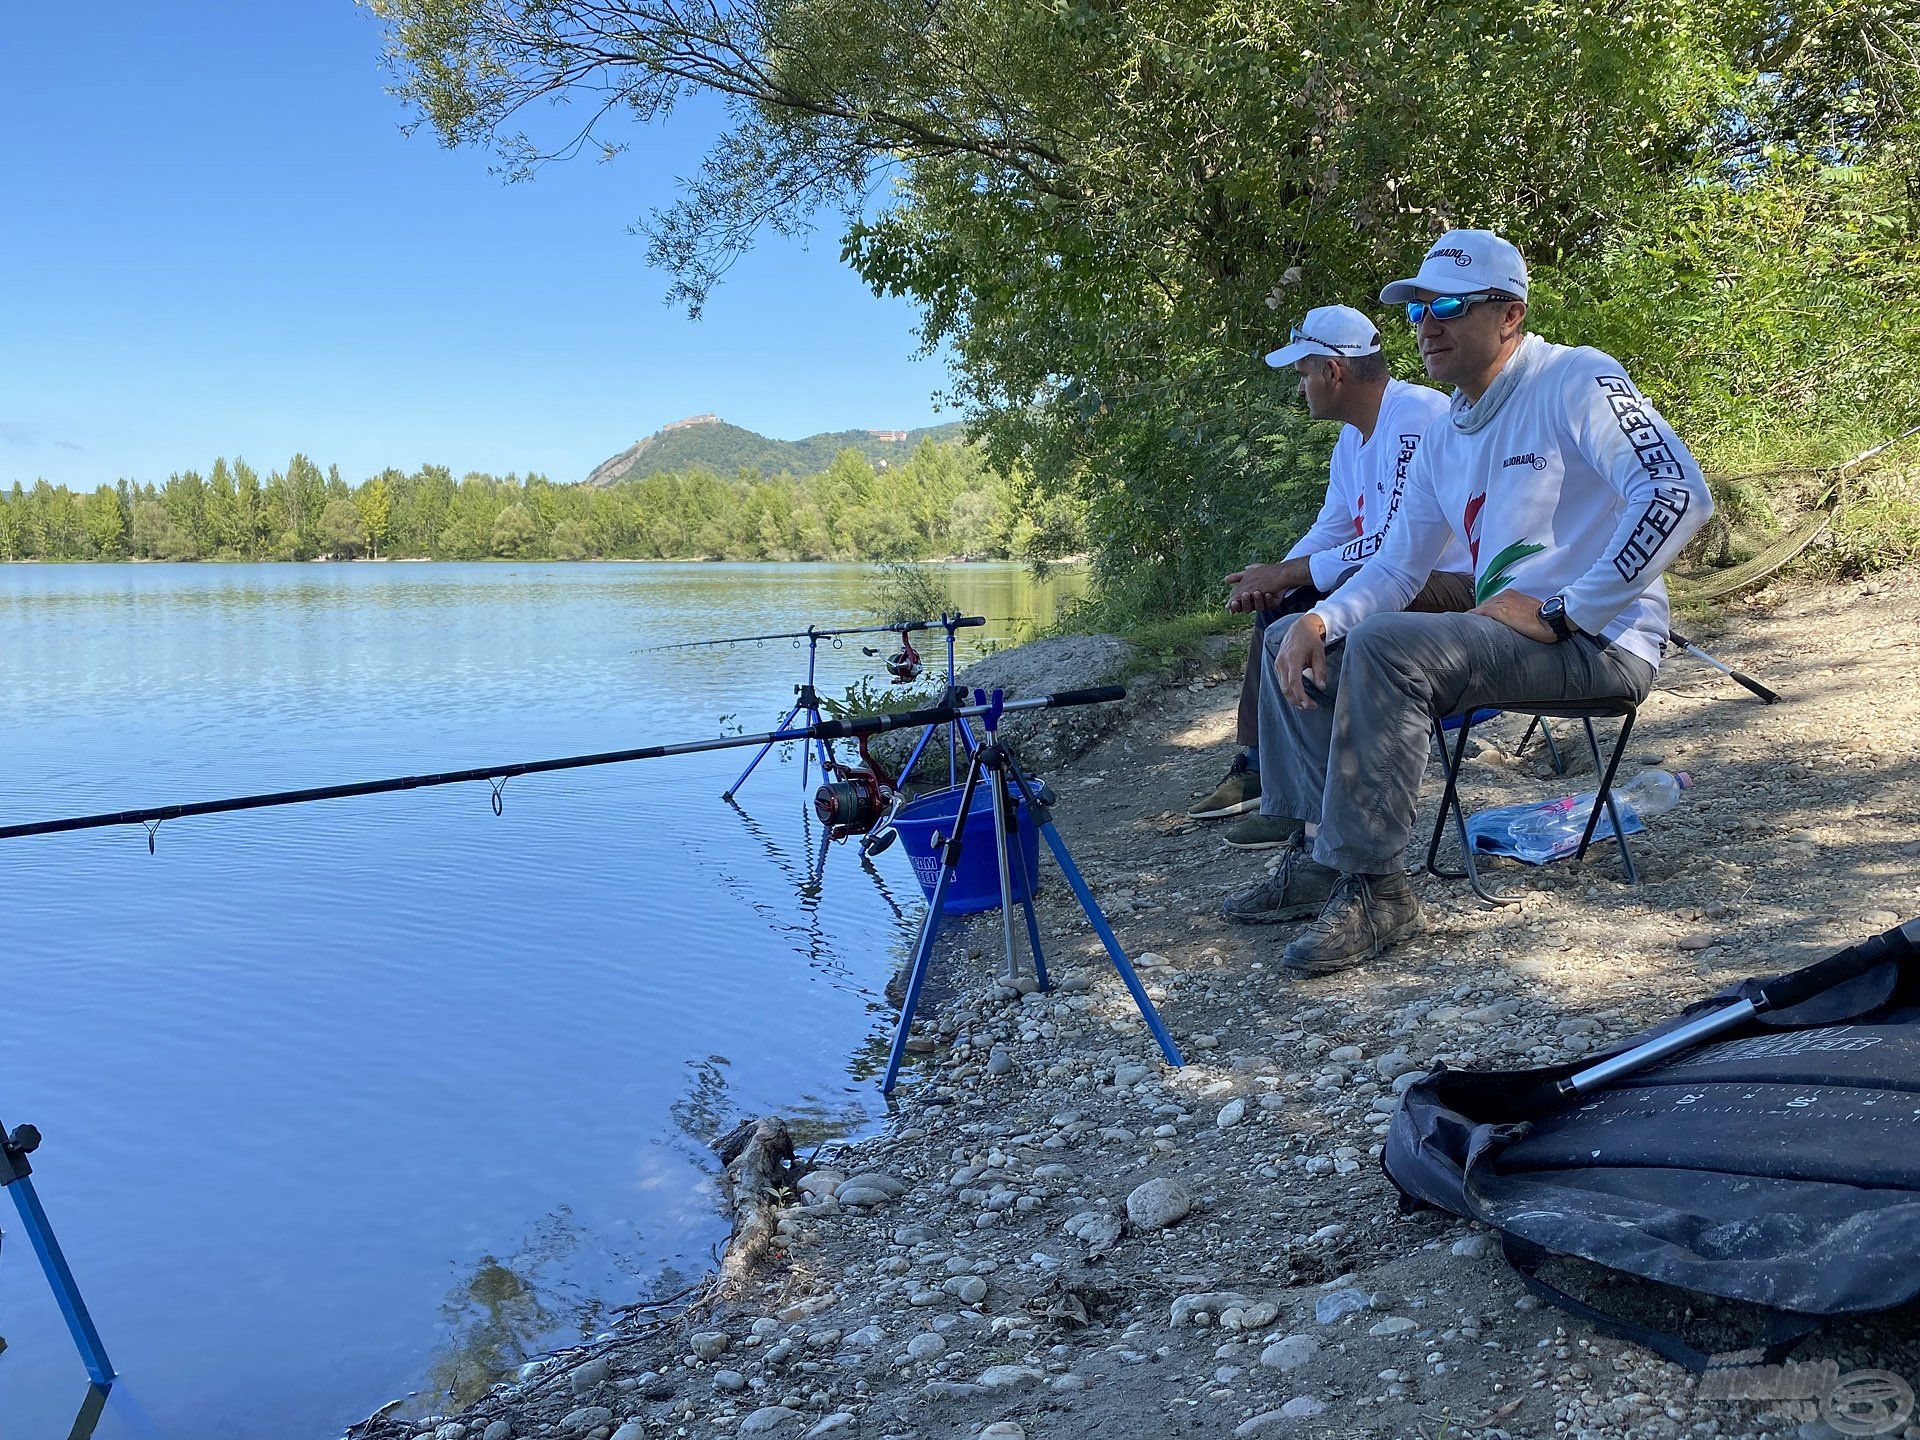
(1576, 487)
(1365, 481)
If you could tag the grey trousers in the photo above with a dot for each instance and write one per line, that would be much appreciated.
(1354, 769)
(1444, 591)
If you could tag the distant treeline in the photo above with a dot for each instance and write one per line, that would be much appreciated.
(943, 500)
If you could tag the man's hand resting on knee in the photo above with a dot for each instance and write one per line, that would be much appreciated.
(1303, 652)
(1517, 612)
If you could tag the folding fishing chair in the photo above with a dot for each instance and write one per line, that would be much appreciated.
(1586, 712)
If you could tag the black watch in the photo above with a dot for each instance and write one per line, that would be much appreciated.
(1553, 614)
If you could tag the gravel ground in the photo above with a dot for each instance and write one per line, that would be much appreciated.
(1058, 1236)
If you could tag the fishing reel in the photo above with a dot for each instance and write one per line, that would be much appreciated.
(903, 665)
(854, 798)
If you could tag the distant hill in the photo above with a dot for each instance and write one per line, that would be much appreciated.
(707, 441)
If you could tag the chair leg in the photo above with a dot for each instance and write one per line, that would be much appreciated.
(1450, 804)
(1604, 797)
(1448, 800)
(1554, 757)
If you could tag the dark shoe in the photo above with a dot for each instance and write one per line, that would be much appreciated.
(1363, 916)
(1296, 890)
(1235, 795)
(1262, 832)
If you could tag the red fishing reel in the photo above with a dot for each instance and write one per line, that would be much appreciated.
(854, 797)
(904, 664)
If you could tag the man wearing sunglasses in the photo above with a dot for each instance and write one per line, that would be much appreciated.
(1572, 497)
(1343, 377)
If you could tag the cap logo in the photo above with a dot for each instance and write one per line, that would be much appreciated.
(1452, 252)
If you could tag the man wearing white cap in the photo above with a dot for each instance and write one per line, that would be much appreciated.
(1572, 496)
(1343, 377)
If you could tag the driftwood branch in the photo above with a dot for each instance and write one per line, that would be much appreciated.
(760, 1167)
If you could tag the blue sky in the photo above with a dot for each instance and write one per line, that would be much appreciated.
(215, 240)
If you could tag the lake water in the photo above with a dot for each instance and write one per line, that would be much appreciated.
(380, 1095)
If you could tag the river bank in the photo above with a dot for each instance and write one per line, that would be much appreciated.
(1057, 1236)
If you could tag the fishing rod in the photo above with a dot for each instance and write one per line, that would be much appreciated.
(1767, 697)
(814, 634)
(497, 775)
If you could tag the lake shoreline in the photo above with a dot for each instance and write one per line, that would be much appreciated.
(1058, 1236)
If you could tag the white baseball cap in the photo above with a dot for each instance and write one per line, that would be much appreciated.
(1463, 262)
(1337, 330)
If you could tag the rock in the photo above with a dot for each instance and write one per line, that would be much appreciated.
(1303, 1407)
(1057, 662)
(1127, 1076)
(501, 1430)
(1259, 1315)
(1290, 1354)
(1000, 1061)
(1009, 1377)
(587, 1417)
(708, 1344)
(1340, 1304)
(768, 1417)
(631, 1430)
(1158, 1203)
(1004, 1430)
(452, 1430)
(839, 1420)
(1392, 1325)
(967, 1289)
(1206, 1302)
(1259, 1424)
(925, 1346)
(587, 1378)
(818, 1184)
(731, 1381)
(1473, 1247)
(1231, 1114)
(1098, 1231)
(871, 1180)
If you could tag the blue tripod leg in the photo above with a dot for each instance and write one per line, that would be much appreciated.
(1043, 815)
(72, 1308)
(781, 724)
(923, 951)
(919, 749)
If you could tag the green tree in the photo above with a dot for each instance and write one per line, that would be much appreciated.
(513, 531)
(375, 502)
(343, 534)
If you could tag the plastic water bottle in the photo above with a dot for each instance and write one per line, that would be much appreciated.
(1549, 831)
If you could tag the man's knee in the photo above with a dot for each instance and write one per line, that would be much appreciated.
(1393, 636)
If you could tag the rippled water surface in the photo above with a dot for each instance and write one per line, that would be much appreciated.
(379, 1095)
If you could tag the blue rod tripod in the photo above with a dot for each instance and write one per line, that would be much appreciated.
(1004, 775)
(807, 700)
(15, 1176)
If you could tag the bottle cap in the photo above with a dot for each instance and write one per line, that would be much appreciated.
(1685, 778)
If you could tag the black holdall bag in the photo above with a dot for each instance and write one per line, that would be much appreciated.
(1775, 1162)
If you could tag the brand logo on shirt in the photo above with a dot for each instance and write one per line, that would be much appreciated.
(1368, 545)
(1453, 253)
(1656, 454)
(1499, 572)
(1537, 462)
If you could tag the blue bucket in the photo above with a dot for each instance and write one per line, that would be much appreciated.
(976, 881)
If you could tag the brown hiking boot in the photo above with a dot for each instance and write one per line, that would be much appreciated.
(1235, 795)
(1364, 915)
(1296, 890)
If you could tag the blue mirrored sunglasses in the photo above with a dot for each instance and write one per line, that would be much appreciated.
(1449, 307)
